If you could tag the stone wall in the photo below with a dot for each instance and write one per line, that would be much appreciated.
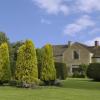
(84, 56)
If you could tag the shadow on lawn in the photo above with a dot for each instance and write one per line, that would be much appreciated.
(81, 84)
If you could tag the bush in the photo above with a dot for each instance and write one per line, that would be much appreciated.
(58, 83)
(61, 70)
(81, 72)
(76, 74)
(12, 83)
(93, 71)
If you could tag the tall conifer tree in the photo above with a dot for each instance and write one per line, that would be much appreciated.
(26, 65)
(48, 73)
(5, 72)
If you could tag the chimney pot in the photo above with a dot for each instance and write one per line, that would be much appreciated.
(69, 43)
(96, 43)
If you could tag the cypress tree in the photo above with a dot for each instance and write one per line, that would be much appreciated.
(26, 65)
(48, 74)
(5, 72)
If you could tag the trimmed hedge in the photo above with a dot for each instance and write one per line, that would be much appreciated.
(93, 71)
(61, 70)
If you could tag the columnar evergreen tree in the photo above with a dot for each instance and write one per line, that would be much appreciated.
(26, 65)
(39, 60)
(13, 57)
(5, 72)
(48, 74)
(5, 39)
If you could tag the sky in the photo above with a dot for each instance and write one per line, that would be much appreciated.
(51, 21)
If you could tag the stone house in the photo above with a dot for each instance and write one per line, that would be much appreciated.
(74, 54)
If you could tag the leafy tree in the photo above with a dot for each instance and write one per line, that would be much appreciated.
(26, 65)
(39, 60)
(48, 74)
(5, 72)
(3, 38)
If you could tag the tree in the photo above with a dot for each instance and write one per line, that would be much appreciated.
(39, 61)
(48, 73)
(26, 65)
(61, 70)
(5, 72)
(13, 56)
(3, 38)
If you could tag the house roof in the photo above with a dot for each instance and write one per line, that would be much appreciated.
(96, 52)
(59, 49)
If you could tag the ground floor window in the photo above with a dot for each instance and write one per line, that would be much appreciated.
(75, 70)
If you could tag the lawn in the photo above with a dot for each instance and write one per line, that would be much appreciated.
(73, 89)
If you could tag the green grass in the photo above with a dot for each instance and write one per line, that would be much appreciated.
(73, 89)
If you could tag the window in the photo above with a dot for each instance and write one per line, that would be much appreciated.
(75, 54)
(75, 70)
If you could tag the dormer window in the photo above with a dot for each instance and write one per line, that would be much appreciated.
(76, 55)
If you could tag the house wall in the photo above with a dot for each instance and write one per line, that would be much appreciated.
(85, 56)
(58, 58)
(96, 60)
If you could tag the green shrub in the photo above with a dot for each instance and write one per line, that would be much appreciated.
(93, 71)
(61, 70)
(81, 72)
(58, 83)
(76, 74)
(12, 83)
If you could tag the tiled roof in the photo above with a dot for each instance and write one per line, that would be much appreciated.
(59, 49)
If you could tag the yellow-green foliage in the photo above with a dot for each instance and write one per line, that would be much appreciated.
(5, 72)
(26, 65)
(48, 69)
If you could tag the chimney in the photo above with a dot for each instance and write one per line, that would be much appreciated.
(69, 43)
(96, 43)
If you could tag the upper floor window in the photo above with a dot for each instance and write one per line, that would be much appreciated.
(76, 55)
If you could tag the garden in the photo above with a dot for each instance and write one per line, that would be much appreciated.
(72, 89)
(29, 73)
